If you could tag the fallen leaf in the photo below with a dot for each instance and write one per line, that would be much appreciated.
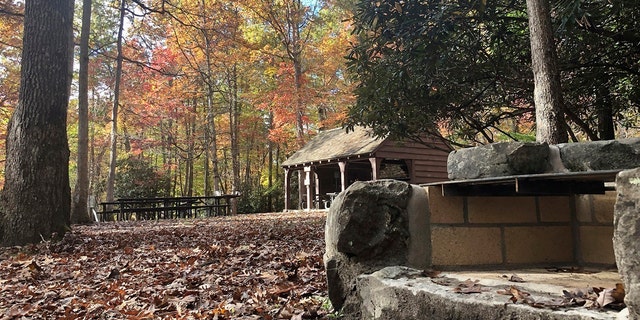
(605, 298)
(114, 274)
(469, 286)
(34, 267)
(431, 273)
(612, 298)
(618, 293)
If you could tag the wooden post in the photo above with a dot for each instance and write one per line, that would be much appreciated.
(343, 174)
(375, 167)
(317, 189)
(307, 183)
(300, 189)
(287, 175)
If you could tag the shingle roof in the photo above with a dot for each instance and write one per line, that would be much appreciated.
(335, 144)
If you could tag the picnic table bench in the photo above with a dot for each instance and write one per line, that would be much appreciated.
(166, 207)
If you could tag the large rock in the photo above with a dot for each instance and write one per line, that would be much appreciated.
(517, 158)
(626, 237)
(404, 293)
(601, 155)
(368, 228)
(499, 159)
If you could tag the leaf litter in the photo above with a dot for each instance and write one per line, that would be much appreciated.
(262, 266)
(591, 297)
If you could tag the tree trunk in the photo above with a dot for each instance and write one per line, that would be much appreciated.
(214, 146)
(208, 78)
(36, 196)
(300, 110)
(234, 114)
(207, 146)
(270, 166)
(606, 127)
(550, 124)
(79, 213)
(190, 128)
(113, 153)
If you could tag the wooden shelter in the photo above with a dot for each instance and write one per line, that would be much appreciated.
(334, 159)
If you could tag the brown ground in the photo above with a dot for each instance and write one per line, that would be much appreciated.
(262, 266)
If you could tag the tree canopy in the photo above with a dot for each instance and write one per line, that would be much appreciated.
(462, 68)
(213, 95)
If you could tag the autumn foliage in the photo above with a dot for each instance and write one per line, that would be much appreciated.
(264, 266)
(209, 90)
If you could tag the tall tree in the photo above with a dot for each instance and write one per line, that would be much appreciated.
(113, 147)
(79, 213)
(36, 196)
(550, 124)
(291, 20)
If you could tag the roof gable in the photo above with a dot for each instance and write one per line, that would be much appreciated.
(335, 144)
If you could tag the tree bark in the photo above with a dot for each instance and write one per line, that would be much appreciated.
(234, 115)
(36, 196)
(550, 124)
(79, 213)
(270, 166)
(207, 77)
(113, 147)
(190, 134)
(604, 111)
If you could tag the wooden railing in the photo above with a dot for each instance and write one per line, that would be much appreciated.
(165, 208)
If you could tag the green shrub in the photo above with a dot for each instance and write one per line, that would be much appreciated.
(137, 178)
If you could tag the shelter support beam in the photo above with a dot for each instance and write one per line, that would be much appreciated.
(300, 189)
(308, 173)
(343, 174)
(316, 192)
(375, 167)
(287, 189)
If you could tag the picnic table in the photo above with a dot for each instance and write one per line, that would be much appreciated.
(166, 207)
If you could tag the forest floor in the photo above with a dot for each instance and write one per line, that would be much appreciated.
(257, 266)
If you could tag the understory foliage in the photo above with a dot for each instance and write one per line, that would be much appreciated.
(265, 266)
(137, 178)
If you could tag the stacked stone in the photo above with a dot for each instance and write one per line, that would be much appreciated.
(517, 158)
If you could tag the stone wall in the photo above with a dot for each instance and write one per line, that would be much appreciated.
(414, 226)
(516, 158)
(373, 225)
(483, 232)
(595, 221)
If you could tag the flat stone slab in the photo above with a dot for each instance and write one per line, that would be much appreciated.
(519, 158)
(405, 293)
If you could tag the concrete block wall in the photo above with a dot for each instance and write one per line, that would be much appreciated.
(489, 232)
(594, 214)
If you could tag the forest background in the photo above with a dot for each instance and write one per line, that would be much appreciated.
(213, 95)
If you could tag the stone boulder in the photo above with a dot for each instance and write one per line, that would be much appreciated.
(518, 158)
(499, 159)
(601, 155)
(625, 237)
(369, 227)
